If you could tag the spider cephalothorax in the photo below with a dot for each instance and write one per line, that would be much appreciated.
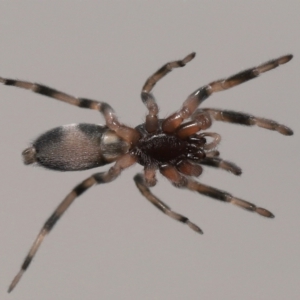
(176, 148)
(159, 148)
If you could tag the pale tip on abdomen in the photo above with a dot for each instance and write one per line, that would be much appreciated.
(29, 155)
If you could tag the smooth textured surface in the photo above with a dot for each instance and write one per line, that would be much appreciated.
(112, 243)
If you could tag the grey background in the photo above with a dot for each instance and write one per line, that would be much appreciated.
(112, 244)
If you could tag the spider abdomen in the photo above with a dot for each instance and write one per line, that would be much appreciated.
(75, 147)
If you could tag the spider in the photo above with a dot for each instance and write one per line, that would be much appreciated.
(174, 147)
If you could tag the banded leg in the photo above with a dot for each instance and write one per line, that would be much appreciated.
(222, 164)
(164, 70)
(146, 95)
(145, 191)
(196, 98)
(226, 197)
(245, 119)
(128, 134)
(183, 182)
(124, 162)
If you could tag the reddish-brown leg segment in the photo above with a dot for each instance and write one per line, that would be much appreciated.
(200, 121)
(188, 168)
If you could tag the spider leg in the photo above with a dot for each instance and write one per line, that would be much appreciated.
(150, 176)
(213, 153)
(141, 184)
(147, 97)
(128, 134)
(226, 197)
(151, 123)
(181, 181)
(124, 162)
(211, 145)
(200, 121)
(196, 98)
(222, 164)
(164, 70)
(244, 119)
(188, 168)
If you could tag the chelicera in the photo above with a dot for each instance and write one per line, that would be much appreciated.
(176, 148)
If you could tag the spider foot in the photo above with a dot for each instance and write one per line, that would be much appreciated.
(250, 207)
(15, 281)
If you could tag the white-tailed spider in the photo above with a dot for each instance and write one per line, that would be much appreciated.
(176, 148)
